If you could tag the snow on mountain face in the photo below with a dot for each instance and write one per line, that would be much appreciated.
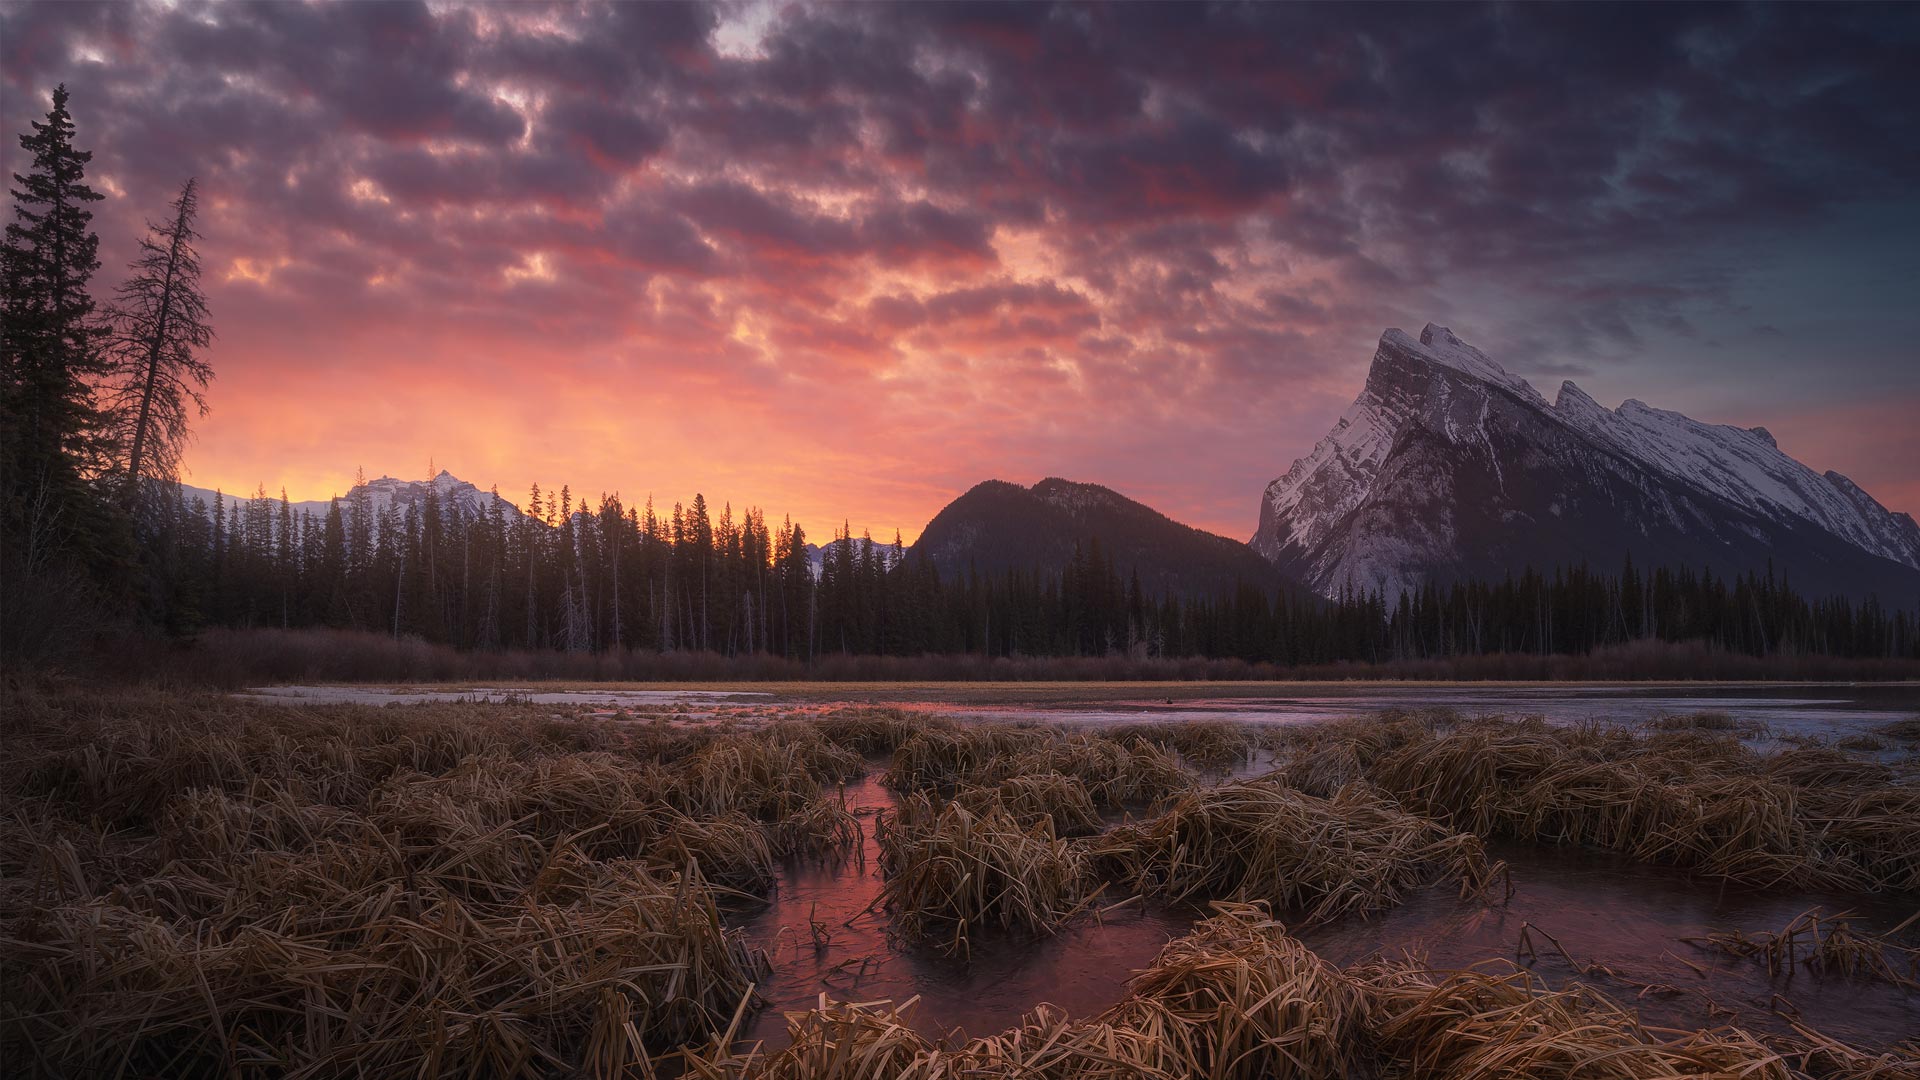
(382, 493)
(863, 547)
(1746, 467)
(1438, 376)
(1447, 465)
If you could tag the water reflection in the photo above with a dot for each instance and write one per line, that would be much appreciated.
(1623, 927)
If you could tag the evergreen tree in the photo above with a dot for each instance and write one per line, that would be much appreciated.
(53, 434)
(63, 553)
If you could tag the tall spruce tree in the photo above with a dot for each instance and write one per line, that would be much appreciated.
(56, 538)
(51, 340)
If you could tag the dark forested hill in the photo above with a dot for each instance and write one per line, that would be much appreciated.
(997, 526)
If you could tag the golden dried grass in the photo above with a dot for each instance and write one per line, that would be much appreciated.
(1263, 841)
(1239, 999)
(1509, 1026)
(1046, 796)
(951, 870)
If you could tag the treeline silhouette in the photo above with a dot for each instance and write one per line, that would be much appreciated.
(96, 396)
(609, 578)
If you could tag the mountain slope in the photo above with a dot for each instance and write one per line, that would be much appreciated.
(998, 525)
(381, 493)
(1448, 466)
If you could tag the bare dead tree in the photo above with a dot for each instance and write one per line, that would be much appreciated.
(160, 327)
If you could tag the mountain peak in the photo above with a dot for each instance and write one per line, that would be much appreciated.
(1571, 398)
(996, 526)
(1447, 464)
(1440, 346)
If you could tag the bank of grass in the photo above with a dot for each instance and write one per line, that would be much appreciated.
(1351, 854)
(1439, 1025)
(195, 886)
(954, 868)
(1697, 799)
(231, 659)
(1116, 768)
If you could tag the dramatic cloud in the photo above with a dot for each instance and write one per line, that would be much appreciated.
(844, 261)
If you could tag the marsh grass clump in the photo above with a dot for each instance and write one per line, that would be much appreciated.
(217, 887)
(1052, 797)
(839, 1040)
(1708, 720)
(1876, 829)
(1320, 759)
(1863, 743)
(1696, 800)
(1206, 744)
(872, 731)
(951, 869)
(1907, 730)
(1239, 999)
(822, 828)
(1826, 768)
(1259, 840)
(1814, 1054)
(833, 1041)
(1482, 1025)
(375, 982)
(1115, 772)
(1048, 1045)
(943, 758)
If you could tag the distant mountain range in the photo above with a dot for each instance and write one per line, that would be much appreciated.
(999, 525)
(452, 491)
(382, 493)
(1448, 466)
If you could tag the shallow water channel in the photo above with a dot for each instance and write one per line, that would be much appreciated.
(1622, 925)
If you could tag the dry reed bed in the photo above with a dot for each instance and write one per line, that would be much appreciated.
(1260, 840)
(1509, 1026)
(1239, 999)
(952, 869)
(1815, 1055)
(1205, 744)
(1117, 771)
(374, 980)
(197, 886)
(1061, 800)
(1813, 817)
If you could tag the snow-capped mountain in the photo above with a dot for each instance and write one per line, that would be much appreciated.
(1447, 465)
(382, 493)
(862, 547)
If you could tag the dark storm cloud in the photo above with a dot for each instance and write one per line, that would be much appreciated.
(1209, 197)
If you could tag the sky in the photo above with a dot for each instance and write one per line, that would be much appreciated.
(842, 262)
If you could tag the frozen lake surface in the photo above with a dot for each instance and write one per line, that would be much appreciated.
(1830, 709)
